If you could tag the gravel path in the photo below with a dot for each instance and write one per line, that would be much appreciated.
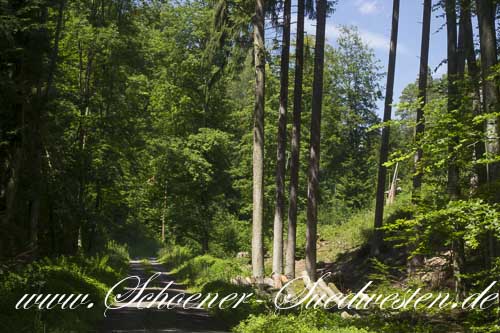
(132, 319)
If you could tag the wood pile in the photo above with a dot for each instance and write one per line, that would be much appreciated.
(322, 290)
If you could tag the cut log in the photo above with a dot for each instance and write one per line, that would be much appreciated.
(336, 296)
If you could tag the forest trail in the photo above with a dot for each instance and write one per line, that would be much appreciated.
(132, 319)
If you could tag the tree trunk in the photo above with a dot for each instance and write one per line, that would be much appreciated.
(391, 196)
(295, 149)
(416, 260)
(281, 150)
(422, 95)
(258, 142)
(456, 68)
(487, 40)
(55, 49)
(164, 216)
(314, 157)
(384, 146)
(474, 73)
(491, 99)
(453, 188)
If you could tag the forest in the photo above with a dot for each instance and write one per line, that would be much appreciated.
(222, 141)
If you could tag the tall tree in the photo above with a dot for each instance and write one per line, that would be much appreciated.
(314, 151)
(474, 74)
(281, 150)
(295, 145)
(416, 260)
(491, 99)
(491, 103)
(456, 68)
(384, 145)
(453, 94)
(422, 92)
(258, 142)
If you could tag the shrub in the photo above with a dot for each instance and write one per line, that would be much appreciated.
(308, 321)
(232, 316)
(200, 270)
(174, 256)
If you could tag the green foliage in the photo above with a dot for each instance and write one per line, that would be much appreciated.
(231, 316)
(471, 220)
(174, 256)
(200, 270)
(316, 321)
(63, 275)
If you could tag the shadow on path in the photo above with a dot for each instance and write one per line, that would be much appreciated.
(131, 319)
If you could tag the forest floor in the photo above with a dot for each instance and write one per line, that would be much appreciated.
(132, 319)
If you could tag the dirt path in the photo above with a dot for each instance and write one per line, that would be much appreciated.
(132, 319)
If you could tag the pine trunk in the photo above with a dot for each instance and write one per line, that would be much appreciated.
(384, 145)
(456, 68)
(422, 94)
(416, 260)
(281, 150)
(258, 143)
(314, 157)
(295, 146)
(453, 95)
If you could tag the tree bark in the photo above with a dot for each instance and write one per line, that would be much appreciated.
(258, 142)
(487, 41)
(295, 149)
(416, 260)
(314, 157)
(422, 95)
(456, 68)
(453, 188)
(281, 150)
(491, 99)
(474, 73)
(384, 146)
(164, 215)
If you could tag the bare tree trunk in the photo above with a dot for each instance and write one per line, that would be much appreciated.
(295, 161)
(391, 196)
(456, 68)
(487, 39)
(491, 99)
(384, 146)
(422, 94)
(258, 142)
(474, 73)
(55, 49)
(281, 150)
(416, 260)
(314, 157)
(453, 95)
(164, 215)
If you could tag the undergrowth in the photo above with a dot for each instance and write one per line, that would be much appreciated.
(61, 275)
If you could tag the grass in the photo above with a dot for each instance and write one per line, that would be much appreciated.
(208, 274)
(336, 239)
(200, 270)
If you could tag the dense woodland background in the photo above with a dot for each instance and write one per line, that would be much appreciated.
(208, 128)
